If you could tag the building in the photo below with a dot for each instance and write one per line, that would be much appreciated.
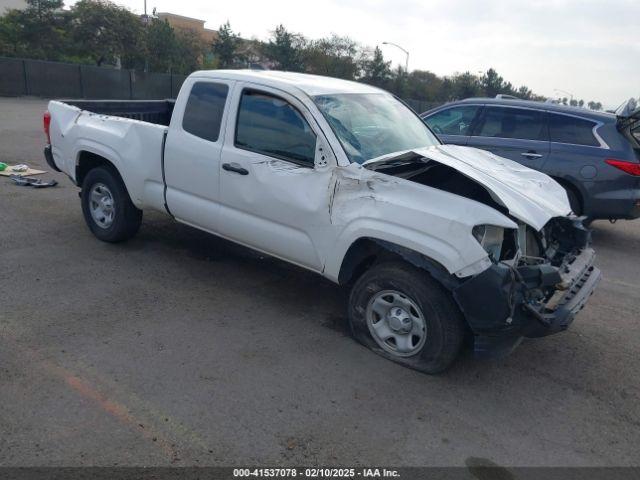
(11, 5)
(180, 22)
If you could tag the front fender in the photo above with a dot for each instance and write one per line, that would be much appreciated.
(402, 236)
(429, 221)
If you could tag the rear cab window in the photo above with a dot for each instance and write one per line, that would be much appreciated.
(205, 107)
(269, 125)
(453, 121)
(572, 130)
(510, 122)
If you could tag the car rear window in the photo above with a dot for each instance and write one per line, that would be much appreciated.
(205, 106)
(576, 131)
(520, 123)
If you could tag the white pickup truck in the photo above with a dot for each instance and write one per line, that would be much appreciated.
(437, 243)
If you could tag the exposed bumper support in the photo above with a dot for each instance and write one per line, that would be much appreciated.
(580, 279)
(503, 305)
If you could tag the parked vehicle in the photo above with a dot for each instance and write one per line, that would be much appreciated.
(341, 178)
(593, 155)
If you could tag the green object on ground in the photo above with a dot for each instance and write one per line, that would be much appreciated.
(3, 166)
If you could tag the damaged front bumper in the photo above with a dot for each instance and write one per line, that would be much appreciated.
(505, 304)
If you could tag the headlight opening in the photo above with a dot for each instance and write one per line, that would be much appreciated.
(490, 238)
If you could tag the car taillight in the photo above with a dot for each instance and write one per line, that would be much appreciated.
(47, 124)
(632, 168)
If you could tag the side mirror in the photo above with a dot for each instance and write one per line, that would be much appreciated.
(324, 154)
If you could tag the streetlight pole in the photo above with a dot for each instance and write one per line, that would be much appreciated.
(406, 63)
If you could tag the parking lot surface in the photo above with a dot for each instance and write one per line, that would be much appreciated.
(179, 348)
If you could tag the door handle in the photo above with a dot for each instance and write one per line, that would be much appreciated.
(531, 155)
(234, 167)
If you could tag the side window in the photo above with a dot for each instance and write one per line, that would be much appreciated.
(270, 125)
(452, 121)
(565, 129)
(205, 106)
(513, 123)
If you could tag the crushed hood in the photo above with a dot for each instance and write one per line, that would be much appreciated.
(530, 196)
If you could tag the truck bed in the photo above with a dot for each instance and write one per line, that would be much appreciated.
(152, 111)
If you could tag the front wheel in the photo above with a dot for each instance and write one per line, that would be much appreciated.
(403, 314)
(107, 207)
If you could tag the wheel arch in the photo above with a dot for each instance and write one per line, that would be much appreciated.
(87, 160)
(570, 184)
(366, 251)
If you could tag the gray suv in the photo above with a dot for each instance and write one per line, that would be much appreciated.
(595, 156)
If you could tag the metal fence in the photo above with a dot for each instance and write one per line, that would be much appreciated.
(66, 80)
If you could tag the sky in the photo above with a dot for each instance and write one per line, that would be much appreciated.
(588, 48)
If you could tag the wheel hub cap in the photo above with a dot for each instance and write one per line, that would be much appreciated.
(399, 320)
(101, 205)
(396, 323)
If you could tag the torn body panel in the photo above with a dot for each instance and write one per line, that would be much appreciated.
(528, 195)
(368, 204)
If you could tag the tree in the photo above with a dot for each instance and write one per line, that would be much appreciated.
(190, 51)
(426, 87)
(595, 105)
(161, 46)
(37, 31)
(376, 71)
(524, 92)
(286, 49)
(334, 56)
(465, 85)
(104, 31)
(493, 84)
(399, 84)
(226, 45)
(12, 43)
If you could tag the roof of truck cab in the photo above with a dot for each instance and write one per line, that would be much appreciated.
(312, 85)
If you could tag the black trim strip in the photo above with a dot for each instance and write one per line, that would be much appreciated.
(164, 179)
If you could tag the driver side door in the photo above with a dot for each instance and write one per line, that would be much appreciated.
(273, 196)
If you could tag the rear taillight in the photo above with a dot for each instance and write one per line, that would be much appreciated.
(632, 168)
(47, 124)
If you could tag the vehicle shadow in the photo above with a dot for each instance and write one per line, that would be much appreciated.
(297, 290)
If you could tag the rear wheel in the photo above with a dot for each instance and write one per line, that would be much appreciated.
(576, 205)
(107, 207)
(574, 201)
(403, 314)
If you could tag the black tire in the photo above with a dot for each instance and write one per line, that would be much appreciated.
(576, 205)
(444, 322)
(126, 217)
(574, 201)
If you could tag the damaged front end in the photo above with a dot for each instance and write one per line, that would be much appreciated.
(536, 284)
(541, 273)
